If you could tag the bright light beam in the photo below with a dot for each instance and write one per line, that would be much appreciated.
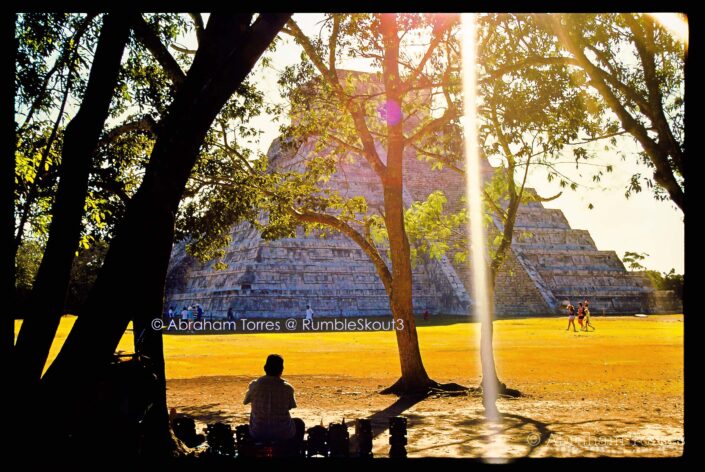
(478, 240)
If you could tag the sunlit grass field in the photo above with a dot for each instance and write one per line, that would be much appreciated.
(632, 354)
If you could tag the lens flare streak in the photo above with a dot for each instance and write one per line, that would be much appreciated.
(478, 240)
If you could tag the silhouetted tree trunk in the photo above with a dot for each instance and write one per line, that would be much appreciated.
(7, 196)
(82, 133)
(131, 282)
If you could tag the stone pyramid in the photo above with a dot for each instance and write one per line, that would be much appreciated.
(550, 263)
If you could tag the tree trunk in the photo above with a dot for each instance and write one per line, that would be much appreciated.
(413, 373)
(82, 134)
(135, 266)
(490, 381)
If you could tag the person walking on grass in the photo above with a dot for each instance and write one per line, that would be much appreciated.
(581, 315)
(587, 316)
(571, 317)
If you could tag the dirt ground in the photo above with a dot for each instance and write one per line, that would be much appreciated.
(616, 392)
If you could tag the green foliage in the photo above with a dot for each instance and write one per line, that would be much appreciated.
(433, 231)
(667, 281)
(29, 256)
(633, 260)
(54, 55)
(84, 271)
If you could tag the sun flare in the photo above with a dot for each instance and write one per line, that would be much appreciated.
(675, 23)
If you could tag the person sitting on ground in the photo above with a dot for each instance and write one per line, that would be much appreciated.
(272, 397)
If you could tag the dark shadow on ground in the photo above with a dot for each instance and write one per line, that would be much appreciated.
(380, 420)
(210, 413)
(520, 432)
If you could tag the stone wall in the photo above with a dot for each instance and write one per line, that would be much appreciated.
(664, 301)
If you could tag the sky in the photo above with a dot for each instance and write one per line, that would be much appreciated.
(638, 224)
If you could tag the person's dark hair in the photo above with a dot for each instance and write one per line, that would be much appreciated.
(274, 364)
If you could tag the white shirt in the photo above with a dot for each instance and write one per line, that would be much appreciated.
(309, 314)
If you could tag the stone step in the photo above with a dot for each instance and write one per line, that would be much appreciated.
(555, 238)
(613, 284)
(581, 291)
(539, 217)
(562, 277)
(581, 269)
(544, 259)
(548, 251)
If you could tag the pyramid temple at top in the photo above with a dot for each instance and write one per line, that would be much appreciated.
(549, 263)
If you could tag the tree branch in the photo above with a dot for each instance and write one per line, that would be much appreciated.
(432, 125)
(441, 26)
(199, 26)
(440, 158)
(368, 248)
(346, 145)
(183, 49)
(353, 108)
(538, 60)
(146, 123)
(333, 43)
(539, 198)
(150, 40)
(108, 183)
(663, 174)
(644, 42)
(68, 56)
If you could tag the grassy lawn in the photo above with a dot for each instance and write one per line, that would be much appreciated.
(636, 353)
